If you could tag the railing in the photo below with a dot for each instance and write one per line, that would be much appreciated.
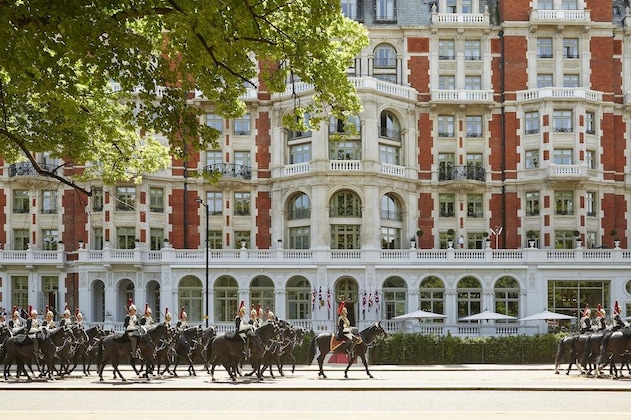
(567, 171)
(564, 16)
(457, 172)
(230, 170)
(461, 95)
(297, 168)
(558, 93)
(345, 165)
(461, 18)
(389, 169)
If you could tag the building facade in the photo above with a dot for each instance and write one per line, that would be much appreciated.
(487, 170)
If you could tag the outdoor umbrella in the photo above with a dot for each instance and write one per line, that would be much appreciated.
(488, 316)
(546, 315)
(420, 314)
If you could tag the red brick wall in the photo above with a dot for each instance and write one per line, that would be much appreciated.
(177, 220)
(419, 76)
(515, 63)
(426, 221)
(263, 142)
(264, 220)
(601, 11)
(425, 144)
(514, 10)
(602, 78)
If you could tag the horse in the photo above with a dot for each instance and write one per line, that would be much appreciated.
(186, 342)
(87, 347)
(158, 333)
(55, 345)
(115, 347)
(228, 351)
(566, 346)
(368, 337)
(615, 348)
(205, 349)
(294, 338)
(267, 335)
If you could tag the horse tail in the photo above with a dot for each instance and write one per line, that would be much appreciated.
(312, 350)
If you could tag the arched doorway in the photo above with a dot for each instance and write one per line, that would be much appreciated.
(98, 301)
(346, 289)
(153, 299)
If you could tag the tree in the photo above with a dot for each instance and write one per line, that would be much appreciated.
(83, 80)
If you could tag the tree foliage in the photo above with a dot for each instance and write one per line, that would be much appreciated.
(82, 80)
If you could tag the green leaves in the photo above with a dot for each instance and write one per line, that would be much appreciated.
(58, 60)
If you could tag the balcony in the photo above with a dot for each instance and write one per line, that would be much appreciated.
(230, 170)
(297, 168)
(459, 178)
(555, 93)
(345, 165)
(573, 174)
(461, 96)
(27, 169)
(456, 20)
(559, 18)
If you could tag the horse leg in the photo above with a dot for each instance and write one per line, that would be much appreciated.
(365, 362)
(320, 363)
(351, 359)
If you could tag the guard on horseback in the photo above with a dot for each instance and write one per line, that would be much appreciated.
(586, 321)
(269, 315)
(65, 318)
(253, 315)
(167, 318)
(15, 323)
(32, 331)
(182, 323)
(617, 321)
(78, 318)
(601, 318)
(132, 330)
(147, 319)
(344, 329)
(242, 328)
(49, 322)
(260, 316)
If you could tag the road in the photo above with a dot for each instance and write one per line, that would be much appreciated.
(447, 392)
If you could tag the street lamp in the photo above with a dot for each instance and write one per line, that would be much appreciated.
(199, 201)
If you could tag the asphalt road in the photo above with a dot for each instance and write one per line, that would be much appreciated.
(446, 392)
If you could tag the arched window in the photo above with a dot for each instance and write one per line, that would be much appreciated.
(262, 291)
(345, 204)
(394, 297)
(469, 296)
(391, 222)
(432, 295)
(507, 296)
(345, 234)
(389, 126)
(300, 207)
(346, 289)
(390, 208)
(225, 301)
(190, 297)
(298, 298)
(385, 63)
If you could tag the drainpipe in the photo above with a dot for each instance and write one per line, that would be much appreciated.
(503, 132)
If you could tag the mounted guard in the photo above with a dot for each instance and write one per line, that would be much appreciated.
(586, 321)
(167, 318)
(33, 332)
(147, 318)
(242, 328)
(345, 332)
(49, 322)
(65, 318)
(78, 318)
(617, 321)
(132, 330)
(15, 323)
(182, 323)
(601, 318)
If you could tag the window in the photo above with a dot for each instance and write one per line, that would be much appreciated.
(473, 82)
(300, 153)
(299, 237)
(446, 49)
(390, 208)
(532, 159)
(345, 150)
(390, 237)
(389, 127)
(569, 296)
(473, 125)
(345, 237)
(241, 159)
(472, 50)
(298, 134)
(451, 6)
(350, 126)
(241, 203)
(385, 57)
(563, 156)
(388, 154)
(432, 295)
(21, 239)
(189, 293)
(49, 202)
(474, 205)
(226, 292)
(590, 159)
(242, 236)
(445, 166)
(385, 10)
(564, 202)
(570, 48)
(507, 296)
(349, 9)
(446, 82)
(570, 80)
(215, 239)
(590, 203)
(394, 297)
(125, 198)
(126, 237)
(214, 200)
(242, 126)
(447, 205)
(97, 199)
(467, 6)
(532, 203)
(214, 159)
(49, 239)
(563, 121)
(569, 4)
(474, 169)
(300, 208)
(469, 297)
(20, 201)
(156, 200)
(156, 239)
(215, 121)
(544, 48)
(345, 204)
(544, 80)
(590, 123)
(299, 299)
(19, 291)
(564, 239)
(532, 122)
(446, 126)
(97, 239)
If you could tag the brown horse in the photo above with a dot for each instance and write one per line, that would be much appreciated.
(115, 347)
(323, 342)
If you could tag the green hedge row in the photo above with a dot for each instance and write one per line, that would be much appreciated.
(418, 349)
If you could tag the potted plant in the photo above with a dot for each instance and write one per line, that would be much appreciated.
(531, 238)
(579, 240)
(412, 242)
(616, 240)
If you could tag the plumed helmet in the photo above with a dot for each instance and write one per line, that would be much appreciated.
(50, 314)
(166, 312)
(242, 308)
(66, 310)
(253, 312)
(616, 309)
(132, 307)
(342, 306)
(76, 312)
(34, 312)
(587, 312)
(15, 311)
(270, 314)
(130, 302)
(182, 313)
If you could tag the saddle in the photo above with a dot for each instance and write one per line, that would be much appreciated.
(121, 338)
(335, 343)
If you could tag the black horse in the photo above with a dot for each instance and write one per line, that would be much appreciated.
(566, 349)
(227, 350)
(115, 347)
(368, 337)
(186, 342)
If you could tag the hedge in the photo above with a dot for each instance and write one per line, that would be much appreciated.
(418, 349)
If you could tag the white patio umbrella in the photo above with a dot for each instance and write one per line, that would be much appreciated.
(487, 315)
(546, 315)
(419, 314)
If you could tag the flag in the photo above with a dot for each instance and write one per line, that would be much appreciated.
(313, 299)
(377, 300)
(364, 299)
(370, 300)
(320, 298)
(328, 298)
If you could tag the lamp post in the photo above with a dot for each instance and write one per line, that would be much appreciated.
(199, 201)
